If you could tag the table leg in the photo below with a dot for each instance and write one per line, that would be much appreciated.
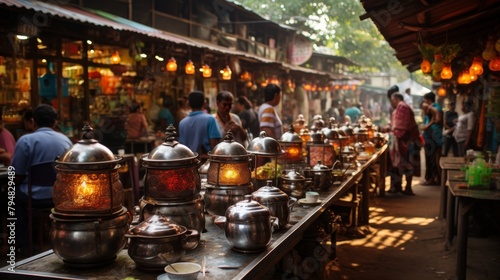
(442, 205)
(365, 200)
(450, 220)
(464, 205)
(383, 171)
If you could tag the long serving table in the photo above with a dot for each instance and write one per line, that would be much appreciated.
(213, 245)
(466, 199)
(447, 164)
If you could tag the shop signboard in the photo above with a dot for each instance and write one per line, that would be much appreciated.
(300, 50)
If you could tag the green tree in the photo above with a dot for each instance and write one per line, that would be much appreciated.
(334, 24)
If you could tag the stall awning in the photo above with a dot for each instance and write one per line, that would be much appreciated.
(104, 19)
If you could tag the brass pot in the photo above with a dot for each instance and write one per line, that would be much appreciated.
(157, 242)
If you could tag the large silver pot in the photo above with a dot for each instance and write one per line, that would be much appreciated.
(294, 184)
(189, 214)
(321, 175)
(248, 226)
(89, 241)
(277, 201)
(218, 199)
(157, 242)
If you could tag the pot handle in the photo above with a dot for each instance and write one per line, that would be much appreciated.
(291, 203)
(275, 223)
(192, 238)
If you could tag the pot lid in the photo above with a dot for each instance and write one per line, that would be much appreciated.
(270, 192)
(156, 225)
(170, 150)
(264, 145)
(88, 151)
(228, 147)
(247, 210)
(293, 175)
(290, 136)
(321, 167)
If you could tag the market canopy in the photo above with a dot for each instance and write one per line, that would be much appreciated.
(415, 88)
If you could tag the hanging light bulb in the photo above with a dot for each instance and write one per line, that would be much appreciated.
(446, 73)
(171, 65)
(115, 58)
(442, 91)
(476, 67)
(464, 78)
(189, 68)
(425, 66)
(473, 78)
(494, 64)
(438, 63)
(206, 71)
(226, 73)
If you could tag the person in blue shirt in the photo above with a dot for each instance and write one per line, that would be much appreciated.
(43, 145)
(165, 116)
(199, 131)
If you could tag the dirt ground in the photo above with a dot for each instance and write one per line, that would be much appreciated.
(407, 241)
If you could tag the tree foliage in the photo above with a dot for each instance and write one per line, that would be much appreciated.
(334, 24)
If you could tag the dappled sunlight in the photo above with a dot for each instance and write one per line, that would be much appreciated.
(385, 238)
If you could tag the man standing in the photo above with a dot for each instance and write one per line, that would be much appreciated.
(269, 120)
(248, 117)
(405, 145)
(229, 121)
(198, 131)
(43, 145)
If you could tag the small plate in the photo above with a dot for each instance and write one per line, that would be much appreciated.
(303, 202)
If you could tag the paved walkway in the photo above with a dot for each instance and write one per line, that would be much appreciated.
(408, 242)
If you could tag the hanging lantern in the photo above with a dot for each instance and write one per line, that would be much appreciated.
(115, 58)
(442, 91)
(446, 73)
(245, 76)
(438, 63)
(206, 71)
(464, 78)
(473, 78)
(189, 68)
(307, 87)
(171, 65)
(489, 52)
(476, 67)
(226, 73)
(291, 143)
(494, 64)
(425, 66)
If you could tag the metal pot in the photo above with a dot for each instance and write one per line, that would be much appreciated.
(322, 176)
(171, 171)
(87, 242)
(157, 242)
(248, 226)
(294, 184)
(278, 202)
(189, 214)
(218, 199)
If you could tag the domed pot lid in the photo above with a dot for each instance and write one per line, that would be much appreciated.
(156, 226)
(88, 153)
(229, 149)
(170, 152)
(290, 136)
(264, 145)
(247, 210)
(293, 175)
(270, 193)
(321, 167)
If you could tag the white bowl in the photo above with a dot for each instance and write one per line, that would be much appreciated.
(183, 270)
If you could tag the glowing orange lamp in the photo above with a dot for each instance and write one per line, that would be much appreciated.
(425, 66)
(171, 65)
(206, 71)
(446, 73)
(115, 58)
(226, 73)
(476, 67)
(189, 68)
(442, 91)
